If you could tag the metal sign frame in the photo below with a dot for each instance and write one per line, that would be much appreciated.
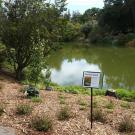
(92, 91)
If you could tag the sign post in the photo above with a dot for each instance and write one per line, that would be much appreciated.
(91, 80)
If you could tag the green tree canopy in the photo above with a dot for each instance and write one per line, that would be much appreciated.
(29, 30)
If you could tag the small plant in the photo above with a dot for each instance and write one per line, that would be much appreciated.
(98, 115)
(64, 114)
(110, 105)
(82, 108)
(82, 103)
(61, 96)
(95, 104)
(1, 109)
(41, 123)
(1, 86)
(126, 125)
(62, 101)
(36, 99)
(126, 105)
(23, 109)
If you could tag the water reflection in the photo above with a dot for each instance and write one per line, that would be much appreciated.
(118, 65)
(70, 72)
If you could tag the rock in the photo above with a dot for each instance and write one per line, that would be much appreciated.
(49, 88)
(32, 92)
(111, 93)
(7, 131)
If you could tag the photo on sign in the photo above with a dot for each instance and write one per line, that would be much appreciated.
(87, 81)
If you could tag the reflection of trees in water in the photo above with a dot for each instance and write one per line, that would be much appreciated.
(117, 64)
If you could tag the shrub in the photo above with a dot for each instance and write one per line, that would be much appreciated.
(98, 115)
(64, 114)
(62, 101)
(23, 109)
(110, 105)
(82, 108)
(36, 99)
(1, 87)
(41, 123)
(81, 102)
(126, 125)
(1, 109)
(125, 105)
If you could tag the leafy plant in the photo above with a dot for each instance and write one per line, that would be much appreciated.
(41, 123)
(23, 109)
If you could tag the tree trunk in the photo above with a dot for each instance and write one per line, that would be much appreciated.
(19, 73)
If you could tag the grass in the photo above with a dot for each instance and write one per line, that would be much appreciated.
(82, 108)
(110, 105)
(1, 109)
(82, 102)
(125, 105)
(36, 99)
(98, 115)
(126, 125)
(1, 86)
(64, 114)
(23, 109)
(62, 99)
(41, 123)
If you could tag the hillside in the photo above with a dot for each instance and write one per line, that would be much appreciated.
(50, 104)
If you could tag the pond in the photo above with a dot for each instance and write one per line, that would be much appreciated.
(117, 64)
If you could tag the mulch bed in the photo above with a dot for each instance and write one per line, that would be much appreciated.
(79, 124)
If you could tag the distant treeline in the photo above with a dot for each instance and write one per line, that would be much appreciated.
(114, 23)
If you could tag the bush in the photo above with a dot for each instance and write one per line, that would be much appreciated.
(36, 99)
(64, 114)
(126, 125)
(110, 105)
(81, 102)
(23, 109)
(41, 123)
(98, 115)
(1, 86)
(125, 105)
(126, 95)
(1, 109)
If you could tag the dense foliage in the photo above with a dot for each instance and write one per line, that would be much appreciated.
(29, 29)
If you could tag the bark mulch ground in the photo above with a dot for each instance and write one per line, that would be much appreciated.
(79, 105)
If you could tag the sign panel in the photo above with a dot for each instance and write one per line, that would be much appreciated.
(91, 79)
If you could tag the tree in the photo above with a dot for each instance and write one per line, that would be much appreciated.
(29, 30)
(76, 17)
(90, 14)
(118, 15)
(86, 29)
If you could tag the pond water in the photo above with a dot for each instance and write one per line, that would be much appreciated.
(117, 64)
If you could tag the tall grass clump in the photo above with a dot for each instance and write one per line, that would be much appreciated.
(98, 115)
(126, 125)
(110, 105)
(41, 123)
(23, 109)
(36, 99)
(64, 114)
(1, 109)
